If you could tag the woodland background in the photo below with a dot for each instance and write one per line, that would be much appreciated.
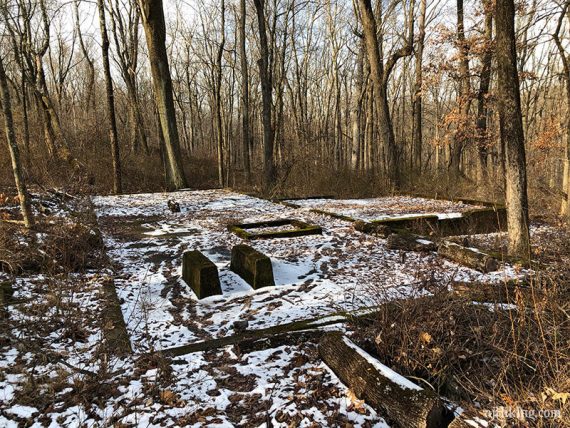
(441, 93)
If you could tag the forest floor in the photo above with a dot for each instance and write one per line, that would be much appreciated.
(57, 371)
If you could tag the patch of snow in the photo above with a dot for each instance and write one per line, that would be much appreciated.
(386, 371)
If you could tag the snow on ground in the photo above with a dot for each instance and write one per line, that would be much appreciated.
(53, 374)
(386, 207)
(315, 275)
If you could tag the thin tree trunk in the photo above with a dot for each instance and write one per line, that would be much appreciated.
(90, 99)
(511, 127)
(245, 124)
(482, 105)
(155, 31)
(565, 205)
(113, 139)
(13, 148)
(417, 132)
(218, 99)
(464, 93)
(356, 110)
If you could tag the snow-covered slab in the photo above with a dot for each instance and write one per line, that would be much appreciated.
(387, 207)
(315, 275)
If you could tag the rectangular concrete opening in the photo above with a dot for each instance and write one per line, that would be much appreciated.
(281, 228)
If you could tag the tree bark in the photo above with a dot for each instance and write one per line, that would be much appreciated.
(408, 407)
(245, 120)
(377, 75)
(468, 257)
(418, 107)
(565, 205)
(267, 100)
(511, 129)
(380, 75)
(155, 31)
(464, 99)
(110, 97)
(218, 99)
(14, 151)
(482, 94)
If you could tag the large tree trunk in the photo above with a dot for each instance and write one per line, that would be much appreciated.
(511, 127)
(417, 135)
(155, 31)
(267, 96)
(245, 121)
(377, 74)
(112, 119)
(13, 148)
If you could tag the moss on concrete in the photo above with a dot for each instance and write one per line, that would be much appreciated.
(299, 228)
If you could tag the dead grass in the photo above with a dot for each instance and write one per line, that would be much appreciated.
(488, 354)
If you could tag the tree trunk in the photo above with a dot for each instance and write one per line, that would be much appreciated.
(112, 119)
(356, 111)
(482, 105)
(267, 96)
(403, 402)
(13, 148)
(245, 120)
(511, 129)
(90, 99)
(464, 93)
(417, 135)
(218, 99)
(155, 31)
(565, 205)
(377, 75)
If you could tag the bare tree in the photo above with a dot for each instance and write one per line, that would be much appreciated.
(464, 93)
(267, 96)
(417, 135)
(565, 57)
(380, 75)
(483, 92)
(155, 30)
(218, 97)
(245, 117)
(125, 30)
(512, 135)
(90, 100)
(13, 148)
(111, 117)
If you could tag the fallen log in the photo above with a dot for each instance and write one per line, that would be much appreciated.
(372, 228)
(404, 403)
(117, 340)
(260, 338)
(469, 419)
(409, 242)
(502, 292)
(470, 257)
